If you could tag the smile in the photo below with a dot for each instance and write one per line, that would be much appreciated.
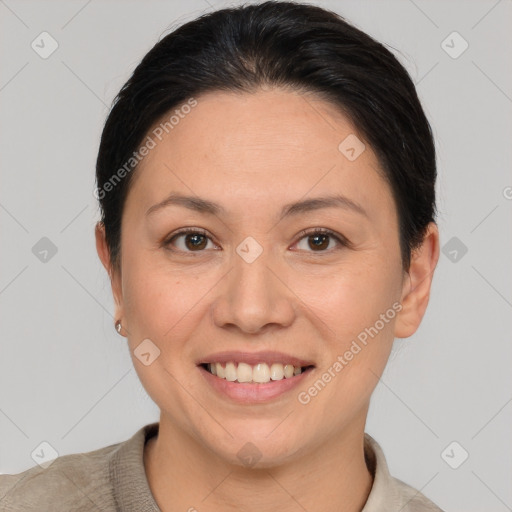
(259, 373)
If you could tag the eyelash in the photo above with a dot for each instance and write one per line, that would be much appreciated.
(343, 242)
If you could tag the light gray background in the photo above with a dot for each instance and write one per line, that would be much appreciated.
(66, 377)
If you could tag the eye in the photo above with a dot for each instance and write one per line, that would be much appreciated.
(194, 239)
(319, 239)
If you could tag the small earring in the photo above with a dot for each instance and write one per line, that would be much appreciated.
(118, 326)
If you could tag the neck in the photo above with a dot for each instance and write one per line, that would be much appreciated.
(184, 475)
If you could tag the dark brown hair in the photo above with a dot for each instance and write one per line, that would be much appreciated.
(284, 44)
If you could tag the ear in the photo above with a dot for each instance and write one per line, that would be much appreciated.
(115, 277)
(417, 284)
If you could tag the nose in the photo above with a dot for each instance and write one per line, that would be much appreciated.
(253, 297)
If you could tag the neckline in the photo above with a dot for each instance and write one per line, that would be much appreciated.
(132, 492)
(129, 480)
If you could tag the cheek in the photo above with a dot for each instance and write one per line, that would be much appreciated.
(356, 304)
(352, 297)
(161, 304)
(366, 322)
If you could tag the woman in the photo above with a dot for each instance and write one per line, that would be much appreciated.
(266, 181)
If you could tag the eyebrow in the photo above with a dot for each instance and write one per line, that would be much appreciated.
(204, 206)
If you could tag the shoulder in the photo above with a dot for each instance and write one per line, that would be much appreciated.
(76, 482)
(389, 493)
(412, 500)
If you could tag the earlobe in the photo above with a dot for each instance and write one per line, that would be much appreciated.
(417, 284)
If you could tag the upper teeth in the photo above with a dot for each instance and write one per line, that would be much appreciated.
(261, 372)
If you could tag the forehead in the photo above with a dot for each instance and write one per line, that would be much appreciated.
(267, 147)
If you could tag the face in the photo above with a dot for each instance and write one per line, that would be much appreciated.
(255, 275)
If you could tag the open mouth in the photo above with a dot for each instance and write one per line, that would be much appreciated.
(260, 373)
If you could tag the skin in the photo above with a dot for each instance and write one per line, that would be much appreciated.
(252, 154)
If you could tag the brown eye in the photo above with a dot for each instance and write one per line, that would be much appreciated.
(193, 240)
(319, 240)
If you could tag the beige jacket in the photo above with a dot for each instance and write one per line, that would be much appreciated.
(113, 479)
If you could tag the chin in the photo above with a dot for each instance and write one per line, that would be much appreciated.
(260, 450)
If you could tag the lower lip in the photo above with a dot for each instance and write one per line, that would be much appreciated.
(248, 393)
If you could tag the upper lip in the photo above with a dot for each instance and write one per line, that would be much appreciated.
(253, 358)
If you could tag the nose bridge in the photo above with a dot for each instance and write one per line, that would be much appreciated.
(252, 277)
(253, 296)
